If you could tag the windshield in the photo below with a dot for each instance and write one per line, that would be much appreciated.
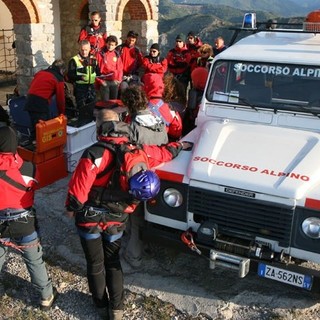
(276, 86)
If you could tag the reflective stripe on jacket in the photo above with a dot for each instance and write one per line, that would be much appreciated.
(88, 72)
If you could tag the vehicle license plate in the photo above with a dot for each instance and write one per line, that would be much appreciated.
(285, 276)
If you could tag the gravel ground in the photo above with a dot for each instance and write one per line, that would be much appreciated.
(169, 285)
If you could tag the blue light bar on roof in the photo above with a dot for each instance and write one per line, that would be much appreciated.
(249, 21)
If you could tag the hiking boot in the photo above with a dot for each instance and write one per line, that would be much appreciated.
(46, 304)
(116, 314)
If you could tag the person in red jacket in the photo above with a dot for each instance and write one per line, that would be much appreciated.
(101, 245)
(154, 88)
(193, 45)
(18, 224)
(94, 32)
(131, 58)
(179, 61)
(153, 63)
(111, 70)
(45, 84)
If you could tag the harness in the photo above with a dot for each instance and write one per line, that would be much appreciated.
(10, 214)
(155, 109)
(93, 32)
(93, 35)
(26, 239)
(101, 219)
(13, 214)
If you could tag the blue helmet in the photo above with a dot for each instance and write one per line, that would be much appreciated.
(144, 185)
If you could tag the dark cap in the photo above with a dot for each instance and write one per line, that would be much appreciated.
(179, 37)
(8, 140)
(132, 34)
(155, 46)
(191, 34)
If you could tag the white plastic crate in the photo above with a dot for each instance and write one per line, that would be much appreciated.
(80, 138)
(72, 159)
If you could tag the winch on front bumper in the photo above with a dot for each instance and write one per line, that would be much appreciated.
(254, 258)
(241, 232)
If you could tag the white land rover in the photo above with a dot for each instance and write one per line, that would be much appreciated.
(249, 190)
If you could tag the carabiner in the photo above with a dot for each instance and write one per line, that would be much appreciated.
(187, 238)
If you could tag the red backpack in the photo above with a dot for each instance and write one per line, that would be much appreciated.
(129, 159)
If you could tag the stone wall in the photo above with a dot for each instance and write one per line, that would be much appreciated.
(34, 44)
(35, 33)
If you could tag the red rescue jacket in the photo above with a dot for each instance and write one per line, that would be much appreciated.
(154, 88)
(178, 60)
(155, 65)
(96, 159)
(110, 65)
(24, 174)
(131, 58)
(95, 35)
(46, 84)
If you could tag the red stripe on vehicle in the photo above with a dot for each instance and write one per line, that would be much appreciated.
(176, 177)
(312, 204)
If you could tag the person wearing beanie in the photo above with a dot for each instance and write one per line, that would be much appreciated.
(153, 63)
(179, 61)
(180, 37)
(18, 224)
(193, 44)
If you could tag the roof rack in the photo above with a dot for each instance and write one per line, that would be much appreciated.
(310, 25)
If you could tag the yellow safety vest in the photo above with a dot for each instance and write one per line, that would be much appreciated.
(87, 71)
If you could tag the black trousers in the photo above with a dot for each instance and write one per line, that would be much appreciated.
(104, 272)
(35, 117)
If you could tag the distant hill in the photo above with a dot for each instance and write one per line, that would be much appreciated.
(209, 20)
(285, 8)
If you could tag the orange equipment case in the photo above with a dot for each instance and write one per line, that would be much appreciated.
(51, 133)
(51, 136)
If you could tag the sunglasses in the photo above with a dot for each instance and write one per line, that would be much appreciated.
(153, 51)
(178, 40)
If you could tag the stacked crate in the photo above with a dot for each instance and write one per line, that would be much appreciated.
(78, 139)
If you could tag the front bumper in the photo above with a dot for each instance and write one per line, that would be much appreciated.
(217, 258)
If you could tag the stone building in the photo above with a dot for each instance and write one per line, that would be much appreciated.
(48, 29)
